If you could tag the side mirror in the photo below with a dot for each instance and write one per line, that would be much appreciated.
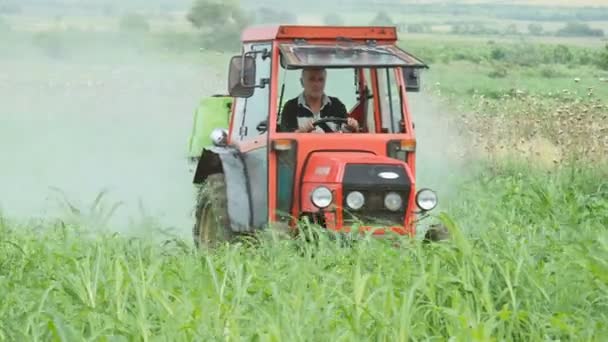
(412, 79)
(241, 76)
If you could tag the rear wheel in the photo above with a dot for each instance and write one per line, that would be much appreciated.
(212, 226)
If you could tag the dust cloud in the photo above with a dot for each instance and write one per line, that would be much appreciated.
(118, 122)
(441, 153)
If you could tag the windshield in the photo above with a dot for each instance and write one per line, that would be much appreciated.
(375, 105)
(352, 55)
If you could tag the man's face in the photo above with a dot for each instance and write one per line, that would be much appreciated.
(313, 82)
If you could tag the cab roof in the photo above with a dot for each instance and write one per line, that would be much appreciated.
(312, 32)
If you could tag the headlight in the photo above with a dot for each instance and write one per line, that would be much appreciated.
(219, 136)
(355, 200)
(426, 199)
(392, 201)
(322, 197)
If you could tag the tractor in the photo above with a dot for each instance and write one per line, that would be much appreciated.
(256, 176)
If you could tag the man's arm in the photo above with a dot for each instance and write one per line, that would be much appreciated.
(342, 112)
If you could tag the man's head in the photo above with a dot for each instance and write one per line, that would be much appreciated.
(313, 81)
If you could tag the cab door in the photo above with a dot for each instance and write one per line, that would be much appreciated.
(251, 137)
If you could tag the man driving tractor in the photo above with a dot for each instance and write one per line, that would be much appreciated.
(313, 104)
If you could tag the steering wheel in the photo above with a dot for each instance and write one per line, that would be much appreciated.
(323, 123)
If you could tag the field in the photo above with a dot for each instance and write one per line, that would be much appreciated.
(512, 133)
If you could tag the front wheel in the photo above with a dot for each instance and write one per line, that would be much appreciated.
(437, 233)
(212, 226)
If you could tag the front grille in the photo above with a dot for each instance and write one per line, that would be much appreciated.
(364, 178)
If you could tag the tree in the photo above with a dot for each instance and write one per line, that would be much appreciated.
(220, 23)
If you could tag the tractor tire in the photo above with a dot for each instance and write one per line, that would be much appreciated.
(212, 226)
(437, 233)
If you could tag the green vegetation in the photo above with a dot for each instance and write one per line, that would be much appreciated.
(461, 68)
(528, 263)
(603, 59)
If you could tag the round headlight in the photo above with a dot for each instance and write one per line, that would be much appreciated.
(392, 201)
(322, 197)
(355, 200)
(426, 199)
(219, 136)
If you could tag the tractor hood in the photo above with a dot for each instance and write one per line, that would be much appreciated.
(363, 169)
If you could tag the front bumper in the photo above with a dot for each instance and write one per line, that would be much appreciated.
(333, 222)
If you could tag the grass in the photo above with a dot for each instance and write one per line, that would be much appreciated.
(528, 262)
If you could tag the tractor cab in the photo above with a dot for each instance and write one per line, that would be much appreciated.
(336, 178)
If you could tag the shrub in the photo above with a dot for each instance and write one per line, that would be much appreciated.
(562, 55)
(602, 61)
(579, 30)
(498, 54)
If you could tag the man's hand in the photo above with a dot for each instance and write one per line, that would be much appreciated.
(352, 124)
(306, 128)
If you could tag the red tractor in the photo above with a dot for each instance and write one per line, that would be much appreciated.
(259, 175)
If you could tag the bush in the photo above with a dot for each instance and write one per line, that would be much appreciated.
(603, 59)
(579, 30)
(562, 55)
(498, 54)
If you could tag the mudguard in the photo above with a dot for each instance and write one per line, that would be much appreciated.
(228, 161)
